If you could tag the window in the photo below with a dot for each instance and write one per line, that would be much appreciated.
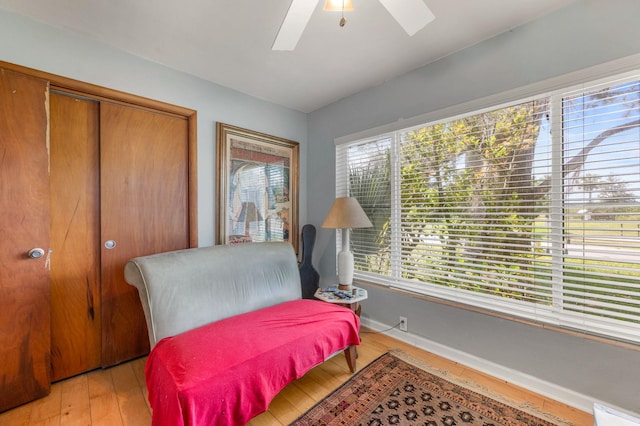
(529, 209)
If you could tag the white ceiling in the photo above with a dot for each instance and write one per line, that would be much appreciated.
(229, 41)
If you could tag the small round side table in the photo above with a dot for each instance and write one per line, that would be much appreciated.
(350, 299)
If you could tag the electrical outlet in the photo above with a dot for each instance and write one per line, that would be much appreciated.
(403, 324)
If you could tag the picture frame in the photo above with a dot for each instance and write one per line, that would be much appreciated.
(257, 187)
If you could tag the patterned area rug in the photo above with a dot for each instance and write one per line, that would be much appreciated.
(396, 390)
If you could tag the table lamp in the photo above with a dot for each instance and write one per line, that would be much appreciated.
(345, 214)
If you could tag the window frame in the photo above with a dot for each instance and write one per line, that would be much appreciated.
(622, 69)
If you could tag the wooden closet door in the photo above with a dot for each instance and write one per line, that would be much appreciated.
(75, 267)
(144, 177)
(24, 224)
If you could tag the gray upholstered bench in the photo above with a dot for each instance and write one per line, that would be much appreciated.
(228, 330)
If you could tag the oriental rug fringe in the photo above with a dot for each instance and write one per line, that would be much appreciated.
(398, 390)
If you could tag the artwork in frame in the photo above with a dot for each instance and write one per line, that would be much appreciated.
(257, 191)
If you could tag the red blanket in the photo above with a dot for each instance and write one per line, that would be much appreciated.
(227, 372)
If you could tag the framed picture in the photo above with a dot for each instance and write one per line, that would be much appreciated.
(257, 192)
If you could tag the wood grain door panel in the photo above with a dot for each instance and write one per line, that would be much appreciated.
(24, 224)
(75, 267)
(144, 168)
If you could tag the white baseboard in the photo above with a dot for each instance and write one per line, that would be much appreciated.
(550, 390)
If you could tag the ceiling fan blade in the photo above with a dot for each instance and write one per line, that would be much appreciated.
(412, 15)
(294, 24)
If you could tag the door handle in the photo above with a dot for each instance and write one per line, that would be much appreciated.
(36, 253)
(110, 244)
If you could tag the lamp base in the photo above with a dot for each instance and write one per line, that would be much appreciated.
(345, 269)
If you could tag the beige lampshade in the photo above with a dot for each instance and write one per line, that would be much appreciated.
(338, 5)
(346, 213)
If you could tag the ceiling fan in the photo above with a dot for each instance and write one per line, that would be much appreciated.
(412, 15)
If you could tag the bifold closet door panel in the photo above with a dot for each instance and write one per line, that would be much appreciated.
(75, 265)
(144, 169)
(25, 328)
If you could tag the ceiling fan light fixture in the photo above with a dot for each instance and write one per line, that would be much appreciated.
(412, 15)
(338, 5)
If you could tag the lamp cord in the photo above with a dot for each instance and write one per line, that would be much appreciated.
(381, 331)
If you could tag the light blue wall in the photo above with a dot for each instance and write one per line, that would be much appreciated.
(581, 35)
(35, 45)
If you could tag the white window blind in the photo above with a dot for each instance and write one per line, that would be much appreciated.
(530, 209)
(367, 173)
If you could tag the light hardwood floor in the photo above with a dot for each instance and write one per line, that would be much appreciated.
(118, 396)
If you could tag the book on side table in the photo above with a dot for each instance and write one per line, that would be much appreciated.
(350, 299)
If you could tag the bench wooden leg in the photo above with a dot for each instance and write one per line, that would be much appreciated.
(350, 354)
